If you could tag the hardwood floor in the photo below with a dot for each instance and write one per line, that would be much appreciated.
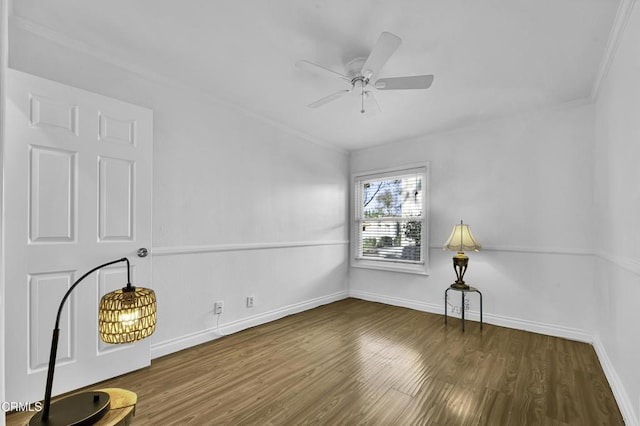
(358, 362)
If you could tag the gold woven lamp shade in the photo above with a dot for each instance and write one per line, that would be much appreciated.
(127, 315)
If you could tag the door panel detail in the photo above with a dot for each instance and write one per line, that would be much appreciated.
(52, 195)
(116, 210)
(41, 314)
(53, 113)
(117, 131)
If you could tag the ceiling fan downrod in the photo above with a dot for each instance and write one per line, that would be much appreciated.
(362, 81)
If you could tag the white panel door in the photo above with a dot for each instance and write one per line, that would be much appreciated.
(77, 195)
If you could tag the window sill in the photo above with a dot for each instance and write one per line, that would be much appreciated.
(407, 268)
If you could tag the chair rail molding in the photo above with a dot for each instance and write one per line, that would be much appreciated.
(626, 263)
(218, 248)
(535, 250)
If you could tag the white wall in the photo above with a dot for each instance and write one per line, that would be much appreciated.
(524, 184)
(260, 213)
(618, 216)
(241, 207)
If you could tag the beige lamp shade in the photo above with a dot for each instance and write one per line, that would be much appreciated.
(461, 239)
(127, 315)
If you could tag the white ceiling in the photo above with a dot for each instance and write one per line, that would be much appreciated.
(490, 57)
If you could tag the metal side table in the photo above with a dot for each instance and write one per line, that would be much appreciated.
(463, 291)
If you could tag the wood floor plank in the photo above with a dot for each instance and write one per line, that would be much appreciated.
(428, 405)
(358, 362)
(494, 408)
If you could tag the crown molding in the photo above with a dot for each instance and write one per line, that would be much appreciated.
(615, 36)
(100, 53)
(116, 59)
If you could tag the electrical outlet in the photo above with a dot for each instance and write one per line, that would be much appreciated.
(217, 307)
(249, 301)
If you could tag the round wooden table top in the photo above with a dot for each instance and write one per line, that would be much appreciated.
(122, 408)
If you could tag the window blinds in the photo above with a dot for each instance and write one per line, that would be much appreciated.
(389, 217)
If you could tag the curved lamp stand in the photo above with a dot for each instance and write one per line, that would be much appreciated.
(134, 310)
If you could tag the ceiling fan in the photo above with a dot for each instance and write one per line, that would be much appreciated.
(361, 73)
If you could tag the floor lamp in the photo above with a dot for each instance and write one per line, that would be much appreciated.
(124, 316)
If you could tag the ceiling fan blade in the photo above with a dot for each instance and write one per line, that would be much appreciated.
(385, 46)
(320, 70)
(403, 83)
(327, 99)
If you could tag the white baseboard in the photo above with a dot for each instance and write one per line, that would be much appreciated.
(183, 342)
(541, 328)
(625, 405)
(519, 324)
(397, 301)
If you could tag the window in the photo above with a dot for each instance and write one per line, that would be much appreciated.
(390, 220)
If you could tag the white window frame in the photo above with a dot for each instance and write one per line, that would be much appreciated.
(395, 265)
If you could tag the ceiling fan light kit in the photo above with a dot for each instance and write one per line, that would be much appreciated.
(361, 73)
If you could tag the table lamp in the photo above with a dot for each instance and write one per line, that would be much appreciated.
(461, 239)
(124, 316)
